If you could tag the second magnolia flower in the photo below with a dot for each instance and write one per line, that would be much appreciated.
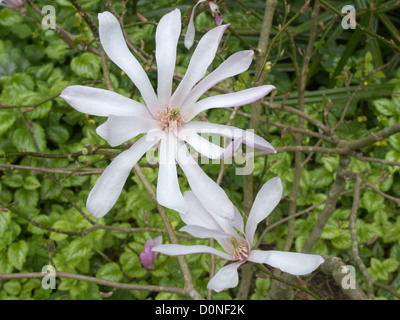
(165, 118)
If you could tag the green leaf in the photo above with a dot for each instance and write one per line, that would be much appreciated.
(14, 181)
(9, 18)
(60, 225)
(17, 253)
(57, 133)
(343, 241)
(385, 106)
(330, 163)
(86, 65)
(5, 219)
(7, 119)
(22, 140)
(12, 287)
(57, 49)
(77, 249)
(31, 183)
(26, 198)
(49, 190)
(390, 265)
(110, 271)
(131, 265)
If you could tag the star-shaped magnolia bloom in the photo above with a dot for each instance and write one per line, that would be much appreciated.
(165, 118)
(202, 223)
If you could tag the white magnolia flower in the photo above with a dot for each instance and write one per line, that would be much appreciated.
(165, 118)
(205, 224)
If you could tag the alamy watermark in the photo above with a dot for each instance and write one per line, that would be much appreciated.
(349, 280)
(49, 20)
(49, 279)
(349, 21)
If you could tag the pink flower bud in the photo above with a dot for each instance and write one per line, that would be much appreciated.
(218, 18)
(148, 257)
(12, 4)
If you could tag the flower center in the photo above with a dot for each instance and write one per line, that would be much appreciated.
(170, 118)
(240, 250)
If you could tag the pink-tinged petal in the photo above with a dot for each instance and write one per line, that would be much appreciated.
(246, 136)
(168, 192)
(266, 200)
(190, 32)
(235, 64)
(121, 129)
(108, 187)
(226, 100)
(200, 61)
(211, 195)
(203, 146)
(100, 102)
(167, 35)
(290, 262)
(203, 233)
(180, 250)
(147, 256)
(113, 42)
(227, 277)
(218, 18)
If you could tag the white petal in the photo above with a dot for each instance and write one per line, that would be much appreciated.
(203, 146)
(180, 250)
(201, 59)
(113, 42)
(190, 32)
(290, 262)
(211, 195)
(203, 233)
(100, 102)
(168, 192)
(121, 129)
(266, 200)
(227, 277)
(109, 186)
(102, 130)
(238, 221)
(235, 64)
(246, 136)
(167, 35)
(226, 100)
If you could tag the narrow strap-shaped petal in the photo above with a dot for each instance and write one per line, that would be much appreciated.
(247, 136)
(113, 42)
(291, 262)
(202, 145)
(226, 100)
(210, 194)
(235, 64)
(203, 233)
(181, 250)
(121, 129)
(227, 277)
(201, 59)
(266, 200)
(100, 102)
(108, 187)
(190, 32)
(168, 191)
(167, 35)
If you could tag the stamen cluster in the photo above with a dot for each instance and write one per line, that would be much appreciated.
(170, 118)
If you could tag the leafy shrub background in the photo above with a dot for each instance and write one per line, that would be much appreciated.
(37, 64)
